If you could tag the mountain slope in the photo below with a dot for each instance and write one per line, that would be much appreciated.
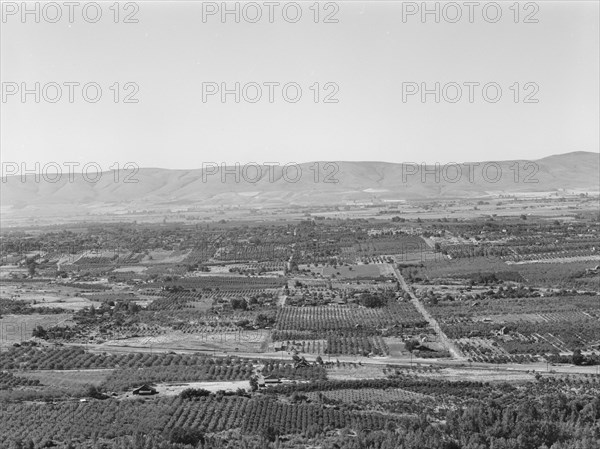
(332, 183)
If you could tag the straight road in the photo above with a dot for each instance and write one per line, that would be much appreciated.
(367, 361)
(456, 353)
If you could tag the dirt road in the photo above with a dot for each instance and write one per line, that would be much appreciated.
(369, 361)
(456, 353)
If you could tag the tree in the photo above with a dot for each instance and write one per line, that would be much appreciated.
(411, 345)
(186, 435)
(269, 433)
(190, 393)
(578, 358)
(133, 307)
(94, 392)
(253, 383)
(239, 303)
(243, 323)
(39, 332)
(297, 397)
(372, 300)
(263, 320)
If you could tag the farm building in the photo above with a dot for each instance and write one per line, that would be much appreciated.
(267, 380)
(301, 363)
(145, 390)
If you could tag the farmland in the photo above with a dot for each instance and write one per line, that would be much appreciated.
(321, 332)
(69, 379)
(338, 318)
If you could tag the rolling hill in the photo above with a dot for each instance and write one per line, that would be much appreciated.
(338, 183)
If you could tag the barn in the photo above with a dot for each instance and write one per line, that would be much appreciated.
(145, 390)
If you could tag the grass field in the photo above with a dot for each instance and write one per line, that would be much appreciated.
(69, 378)
(455, 374)
(132, 269)
(46, 295)
(247, 341)
(172, 389)
(570, 275)
(464, 267)
(351, 372)
(396, 346)
(71, 303)
(353, 271)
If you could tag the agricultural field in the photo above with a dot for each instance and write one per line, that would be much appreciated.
(569, 275)
(209, 339)
(463, 268)
(379, 332)
(19, 328)
(175, 389)
(45, 295)
(255, 268)
(338, 318)
(125, 379)
(353, 371)
(346, 329)
(363, 271)
(462, 374)
(508, 323)
(69, 379)
(156, 257)
(336, 345)
(317, 347)
(10, 381)
(369, 395)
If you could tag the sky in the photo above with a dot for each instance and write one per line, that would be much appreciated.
(367, 61)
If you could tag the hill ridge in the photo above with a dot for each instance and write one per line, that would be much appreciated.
(312, 183)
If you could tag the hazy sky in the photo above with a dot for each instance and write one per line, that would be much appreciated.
(368, 54)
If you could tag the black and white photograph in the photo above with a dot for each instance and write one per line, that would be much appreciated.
(312, 224)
